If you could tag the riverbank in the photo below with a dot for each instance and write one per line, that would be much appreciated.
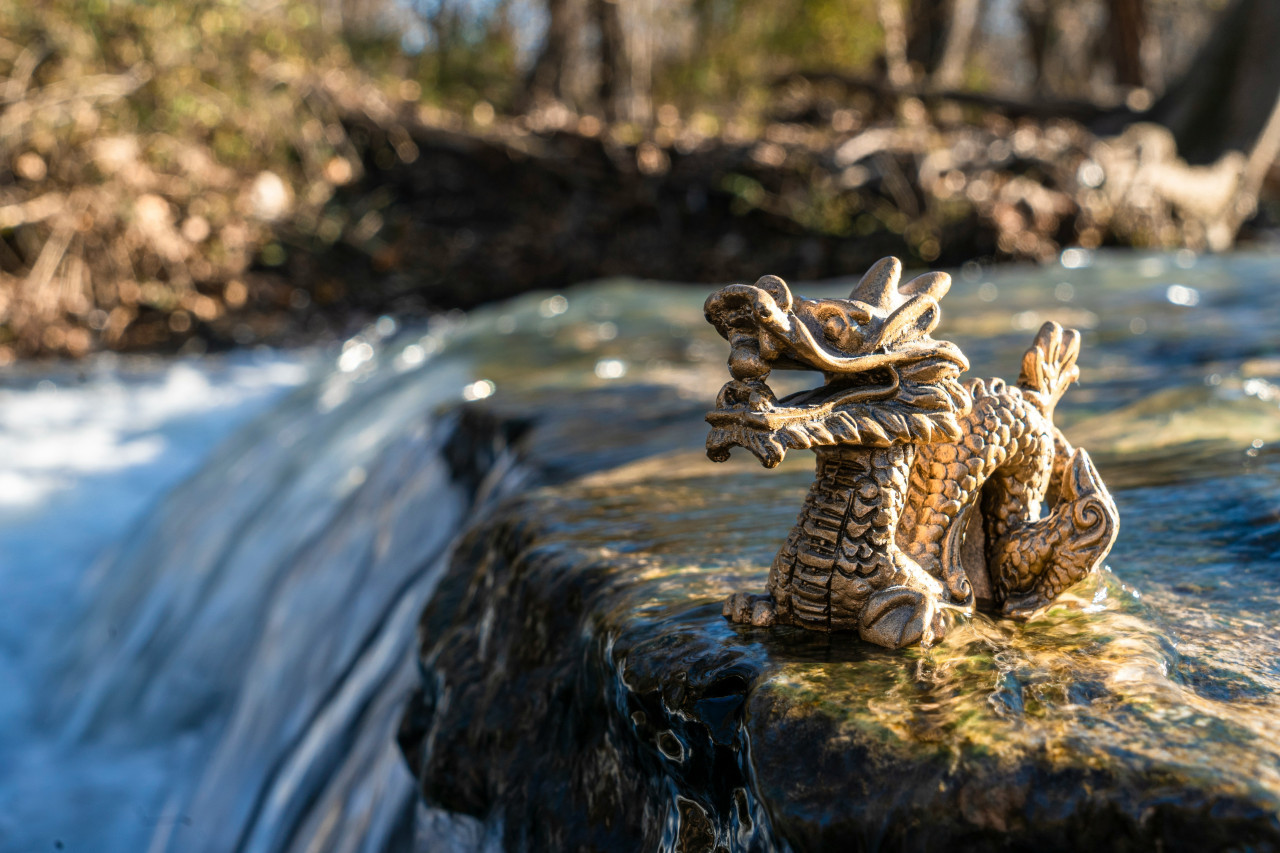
(158, 196)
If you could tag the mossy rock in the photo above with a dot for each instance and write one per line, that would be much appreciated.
(582, 690)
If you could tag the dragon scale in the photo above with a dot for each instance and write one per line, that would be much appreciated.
(842, 543)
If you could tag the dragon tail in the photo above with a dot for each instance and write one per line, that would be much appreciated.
(1050, 365)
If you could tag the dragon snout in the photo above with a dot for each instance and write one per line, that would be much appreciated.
(747, 307)
(745, 314)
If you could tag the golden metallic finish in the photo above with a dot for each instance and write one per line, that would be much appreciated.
(929, 494)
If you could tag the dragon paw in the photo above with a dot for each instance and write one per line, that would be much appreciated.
(744, 608)
(901, 616)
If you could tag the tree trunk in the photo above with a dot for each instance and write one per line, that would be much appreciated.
(1127, 31)
(1225, 97)
(546, 80)
(955, 52)
(640, 65)
(1036, 15)
(895, 42)
(614, 86)
(926, 33)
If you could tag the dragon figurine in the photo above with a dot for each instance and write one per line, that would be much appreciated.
(929, 493)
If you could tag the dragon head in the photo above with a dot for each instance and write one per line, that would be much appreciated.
(887, 381)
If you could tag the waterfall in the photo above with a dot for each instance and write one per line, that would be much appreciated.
(234, 676)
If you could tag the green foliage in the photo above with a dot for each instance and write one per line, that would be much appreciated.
(743, 44)
(471, 59)
(172, 139)
(214, 65)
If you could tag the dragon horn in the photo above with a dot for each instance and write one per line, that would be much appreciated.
(934, 284)
(879, 286)
(777, 288)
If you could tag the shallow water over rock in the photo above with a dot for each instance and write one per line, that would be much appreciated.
(234, 678)
(582, 688)
(583, 638)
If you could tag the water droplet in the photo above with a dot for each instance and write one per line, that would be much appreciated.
(611, 368)
(1180, 294)
(478, 390)
(354, 354)
(411, 356)
(1074, 259)
(553, 306)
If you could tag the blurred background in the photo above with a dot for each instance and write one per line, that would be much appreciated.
(180, 175)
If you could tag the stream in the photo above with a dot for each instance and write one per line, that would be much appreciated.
(213, 570)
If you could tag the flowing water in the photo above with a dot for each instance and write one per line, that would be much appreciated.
(231, 674)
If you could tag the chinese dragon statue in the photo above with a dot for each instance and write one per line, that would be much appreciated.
(930, 494)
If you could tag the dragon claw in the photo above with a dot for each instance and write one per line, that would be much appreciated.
(746, 609)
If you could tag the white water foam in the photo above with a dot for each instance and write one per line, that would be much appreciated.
(85, 451)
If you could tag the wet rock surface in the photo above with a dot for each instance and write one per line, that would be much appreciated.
(581, 689)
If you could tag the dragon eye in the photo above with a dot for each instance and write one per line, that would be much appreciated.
(835, 323)
(837, 328)
(834, 327)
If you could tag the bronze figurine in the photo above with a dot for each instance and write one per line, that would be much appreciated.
(928, 493)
